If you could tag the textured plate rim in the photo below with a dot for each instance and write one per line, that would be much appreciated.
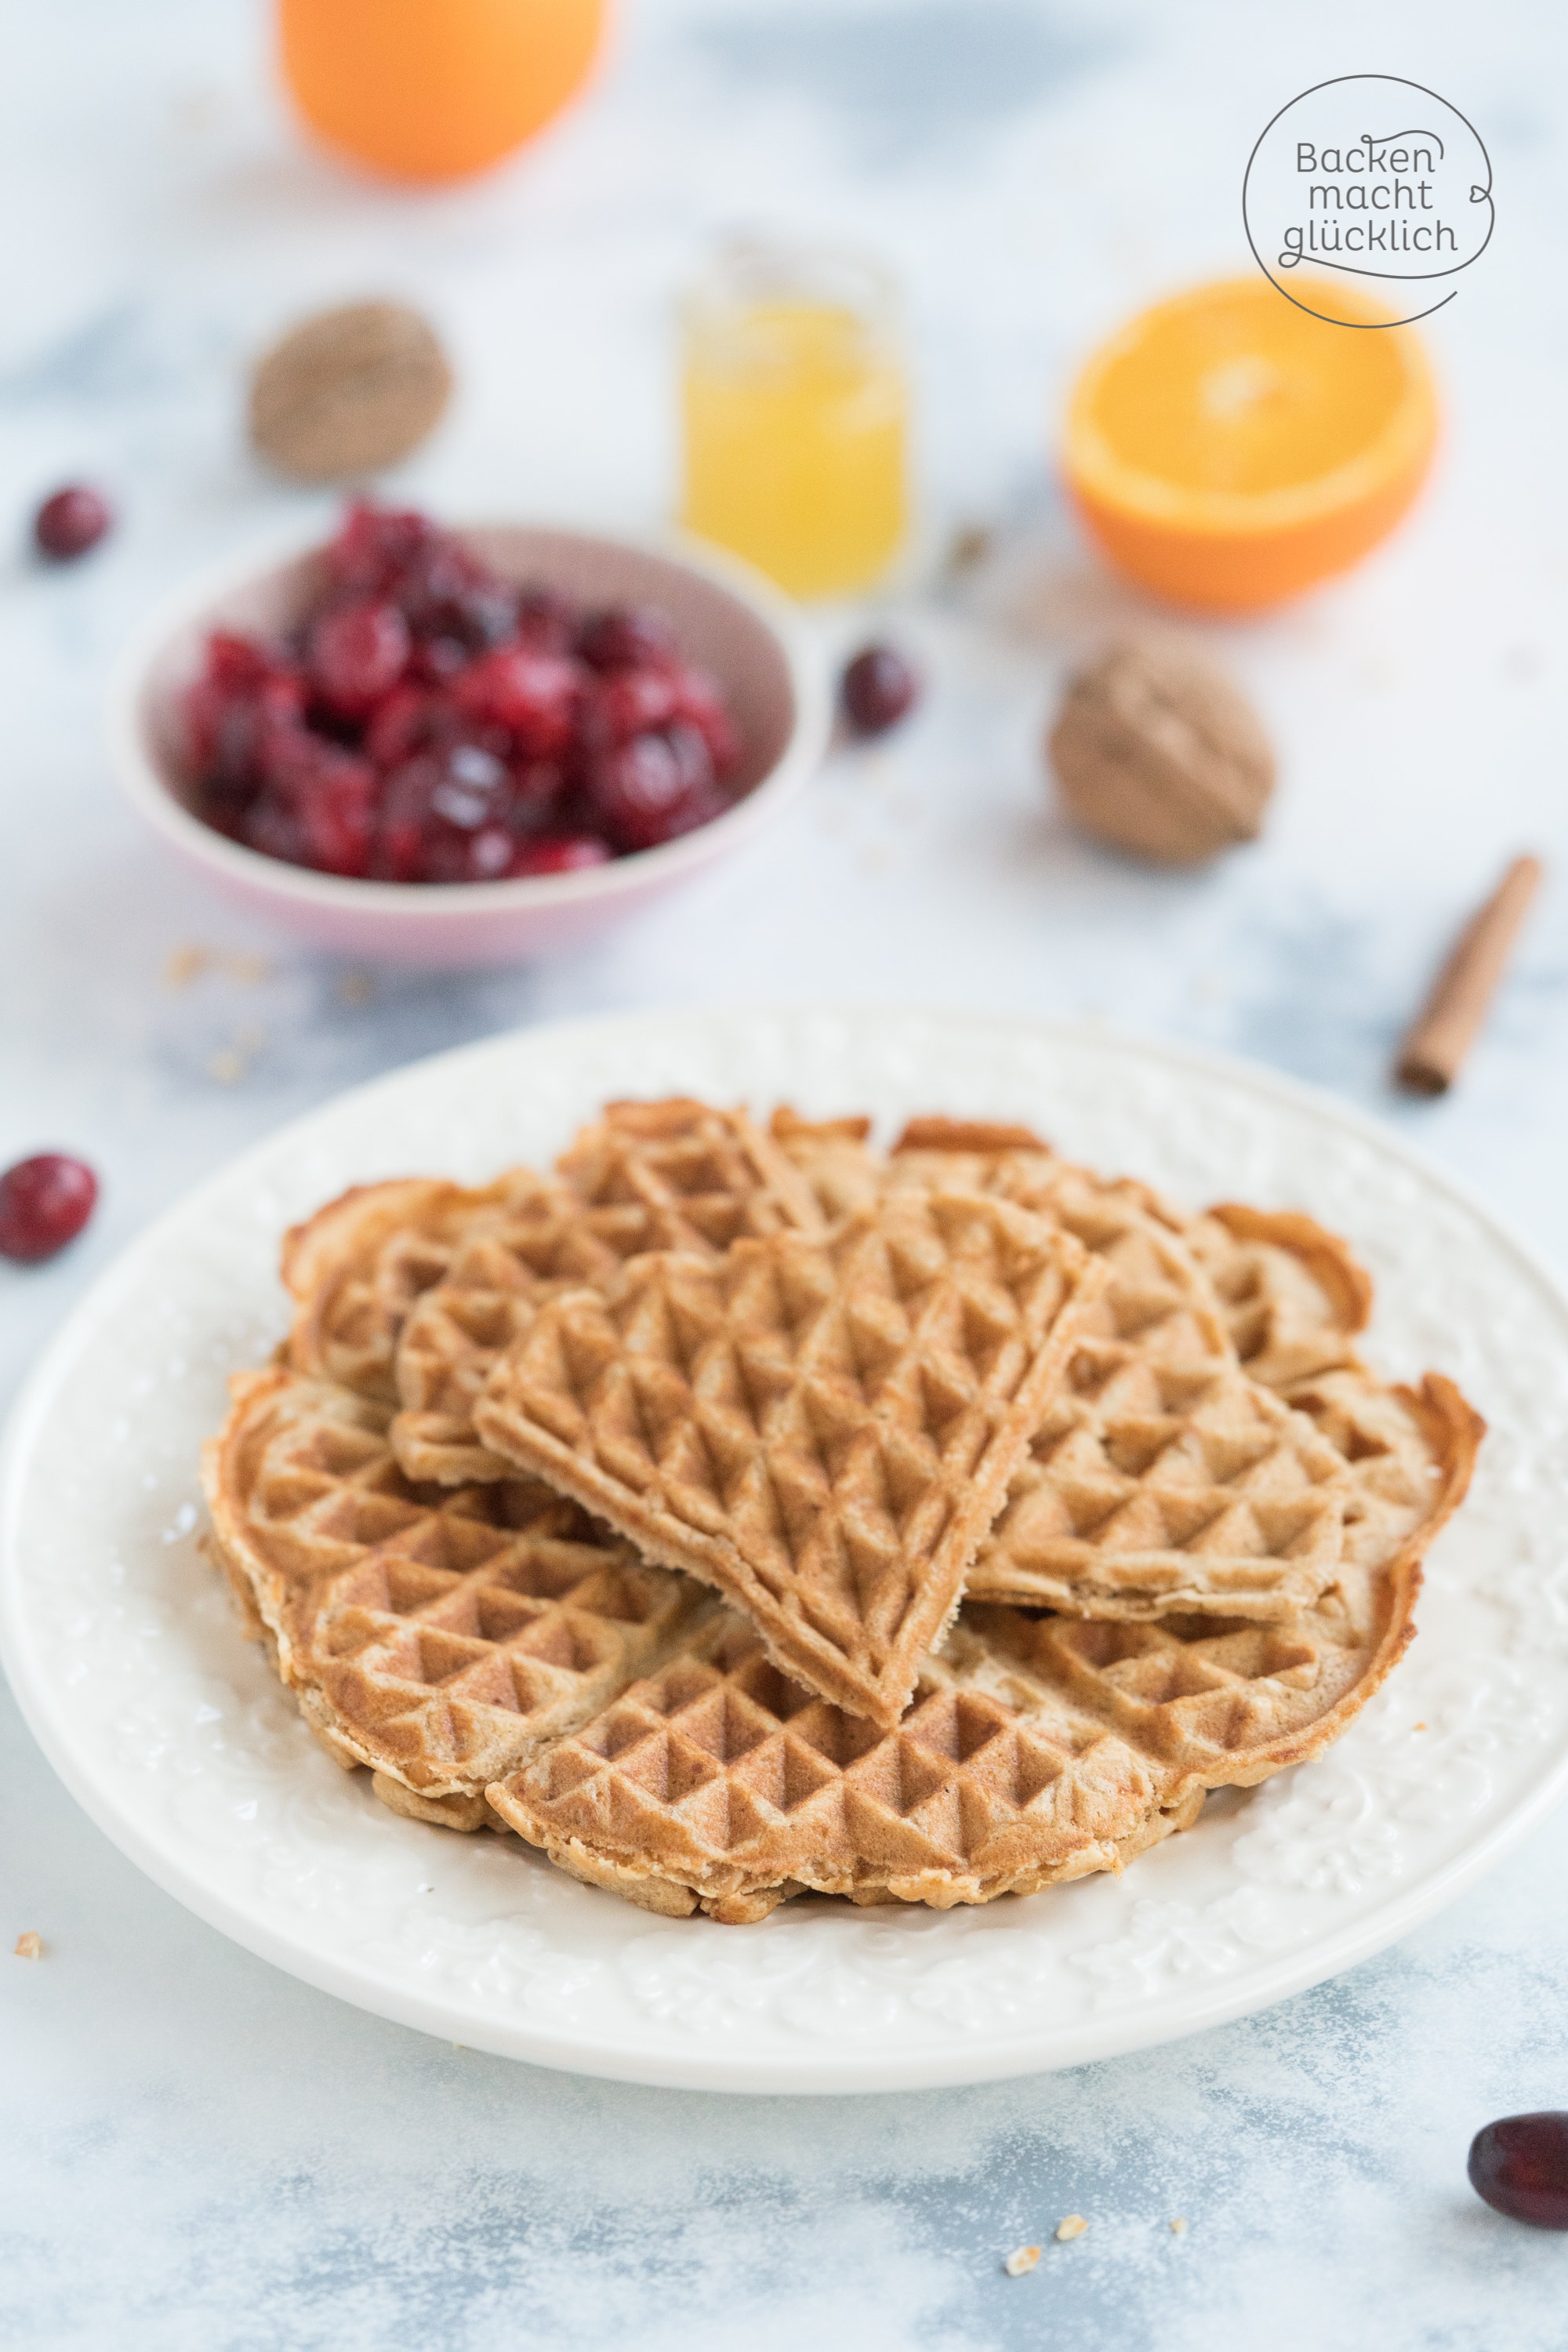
(1082, 2042)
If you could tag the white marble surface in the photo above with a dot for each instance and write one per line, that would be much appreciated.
(196, 2150)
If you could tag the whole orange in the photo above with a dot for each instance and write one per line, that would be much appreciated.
(1227, 450)
(434, 90)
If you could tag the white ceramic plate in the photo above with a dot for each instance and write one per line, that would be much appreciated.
(169, 1730)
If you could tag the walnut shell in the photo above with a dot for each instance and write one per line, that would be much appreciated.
(1157, 751)
(349, 392)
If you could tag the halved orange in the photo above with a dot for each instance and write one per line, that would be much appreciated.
(432, 89)
(1227, 450)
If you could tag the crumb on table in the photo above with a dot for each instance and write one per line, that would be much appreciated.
(1020, 2259)
(1073, 2227)
(30, 1946)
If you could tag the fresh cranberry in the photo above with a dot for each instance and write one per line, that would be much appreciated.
(558, 853)
(71, 522)
(358, 653)
(653, 788)
(534, 695)
(700, 699)
(879, 688)
(1520, 2165)
(627, 636)
(44, 1202)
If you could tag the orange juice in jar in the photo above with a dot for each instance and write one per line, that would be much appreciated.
(795, 412)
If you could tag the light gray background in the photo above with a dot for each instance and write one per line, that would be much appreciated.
(195, 2150)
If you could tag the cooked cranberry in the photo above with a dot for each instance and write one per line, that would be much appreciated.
(70, 523)
(558, 853)
(537, 786)
(1520, 2165)
(238, 664)
(358, 653)
(474, 789)
(44, 1202)
(534, 695)
(652, 789)
(373, 544)
(700, 699)
(628, 702)
(627, 636)
(450, 855)
(408, 718)
(404, 817)
(545, 622)
(320, 797)
(879, 688)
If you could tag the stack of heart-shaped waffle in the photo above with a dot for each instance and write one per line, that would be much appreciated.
(737, 1513)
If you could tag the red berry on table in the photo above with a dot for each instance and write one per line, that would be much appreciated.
(627, 636)
(1520, 2165)
(71, 522)
(878, 689)
(558, 853)
(44, 1202)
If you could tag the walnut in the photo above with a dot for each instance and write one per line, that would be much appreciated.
(1157, 751)
(349, 392)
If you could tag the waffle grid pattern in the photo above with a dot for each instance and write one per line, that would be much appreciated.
(672, 1175)
(719, 1779)
(440, 1636)
(822, 1427)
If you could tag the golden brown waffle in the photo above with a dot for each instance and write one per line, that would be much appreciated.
(823, 1426)
(671, 1175)
(1293, 1294)
(833, 1155)
(1409, 1455)
(439, 1637)
(356, 1267)
(1035, 1751)
(1163, 1477)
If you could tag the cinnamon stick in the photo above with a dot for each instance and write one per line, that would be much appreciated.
(1447, 1024)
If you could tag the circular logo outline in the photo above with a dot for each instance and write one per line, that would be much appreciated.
(1405, 277)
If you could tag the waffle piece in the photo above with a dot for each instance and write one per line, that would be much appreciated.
(441, 1637)
(655, 1175)
(1035, 1751)
(1293, 1294)
(833, 1157)
(823, 1426)
(356, 1267)
(1409, 1453)
(1163, 1477)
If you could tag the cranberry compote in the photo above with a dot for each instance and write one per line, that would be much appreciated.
(879, 688)
(429, 722)
(44, 1202)
(1520, 2165)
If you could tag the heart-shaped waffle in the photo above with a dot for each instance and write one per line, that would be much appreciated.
(823, 1426)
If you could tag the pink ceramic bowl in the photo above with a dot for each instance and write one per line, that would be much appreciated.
(728, 619)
